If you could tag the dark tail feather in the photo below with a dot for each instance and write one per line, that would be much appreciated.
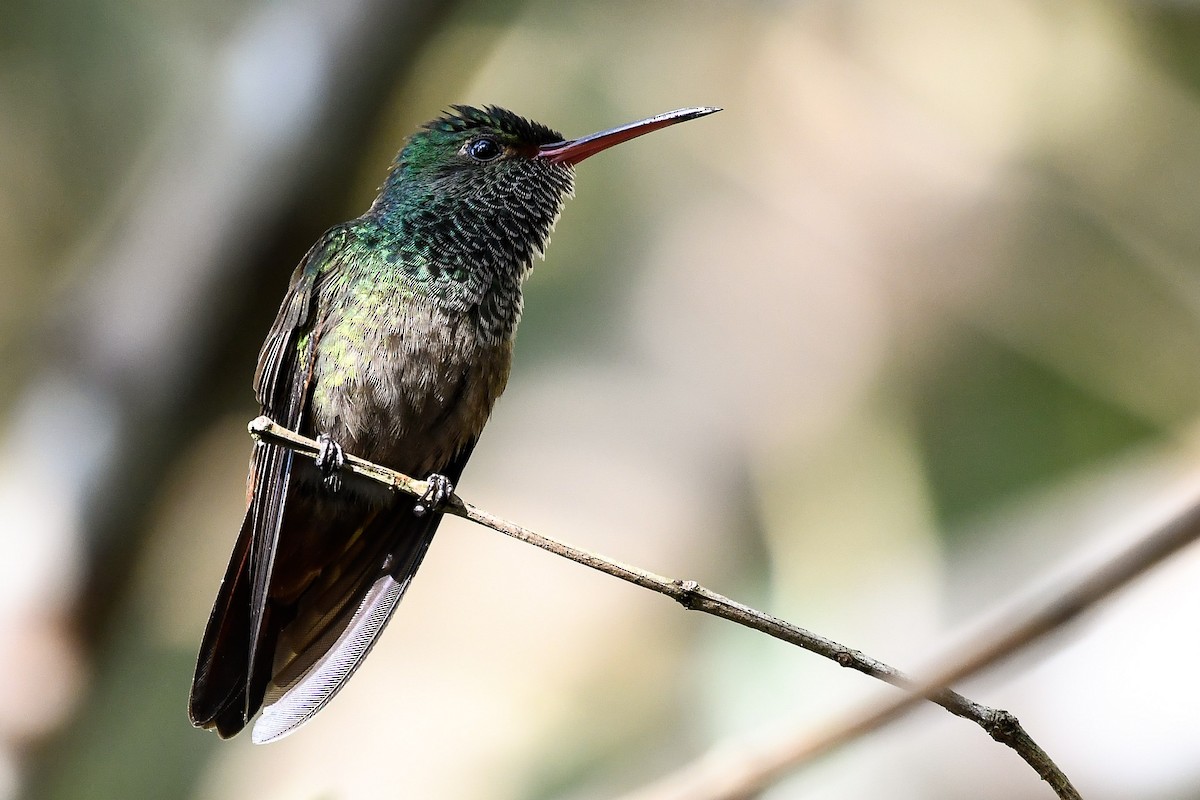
(218, 699)
(305, 685)
(339, 573)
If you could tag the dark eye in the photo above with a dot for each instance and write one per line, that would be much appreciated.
(484, 149)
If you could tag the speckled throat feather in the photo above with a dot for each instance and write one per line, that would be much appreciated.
(470, 233)
(485, 244)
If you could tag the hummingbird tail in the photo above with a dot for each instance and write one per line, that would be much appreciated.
(218, 699)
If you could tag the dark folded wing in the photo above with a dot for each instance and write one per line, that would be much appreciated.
(232, 671)
(343, 613)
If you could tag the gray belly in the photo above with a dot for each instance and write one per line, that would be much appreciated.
(408, 389)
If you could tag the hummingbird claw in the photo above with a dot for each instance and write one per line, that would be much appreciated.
(439, 491)
(330, 459)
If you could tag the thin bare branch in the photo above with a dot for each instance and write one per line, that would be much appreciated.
(999, 724)
(734, 772)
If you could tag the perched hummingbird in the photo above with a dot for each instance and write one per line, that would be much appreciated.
(393, 342)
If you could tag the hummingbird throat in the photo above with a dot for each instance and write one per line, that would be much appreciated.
(471, 247)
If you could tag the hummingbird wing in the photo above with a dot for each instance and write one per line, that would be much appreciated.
(232, 669)
(343, 612)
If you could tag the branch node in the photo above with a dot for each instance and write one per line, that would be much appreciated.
(1002, 725)
(259, 425)
(689, 594)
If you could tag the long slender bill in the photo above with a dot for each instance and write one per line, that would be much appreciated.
(576, 150)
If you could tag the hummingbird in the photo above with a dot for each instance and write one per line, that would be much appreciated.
(393, 342)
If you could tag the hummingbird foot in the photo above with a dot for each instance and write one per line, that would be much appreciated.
(330, 459)
(440, 490)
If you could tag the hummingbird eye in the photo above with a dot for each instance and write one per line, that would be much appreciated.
(484, 149)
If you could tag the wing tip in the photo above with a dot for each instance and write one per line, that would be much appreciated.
(271, 727)
(311, 692)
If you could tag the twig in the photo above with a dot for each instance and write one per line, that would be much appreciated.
(733, 773)
(999, 724)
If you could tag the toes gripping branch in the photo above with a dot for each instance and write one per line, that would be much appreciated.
(440, 490)
(330, 459)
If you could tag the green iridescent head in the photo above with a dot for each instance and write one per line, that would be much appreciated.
(476, 192)
(481, 154)
(458, 151)
(490, 159)
(474, 185)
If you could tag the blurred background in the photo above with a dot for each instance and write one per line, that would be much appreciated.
(911, 328)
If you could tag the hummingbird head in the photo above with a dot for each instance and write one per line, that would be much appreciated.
(471, 192)
(477, 192)
(484, 157)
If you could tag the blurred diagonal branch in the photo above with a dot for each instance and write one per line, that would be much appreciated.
(730, 772)
(756, 772)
